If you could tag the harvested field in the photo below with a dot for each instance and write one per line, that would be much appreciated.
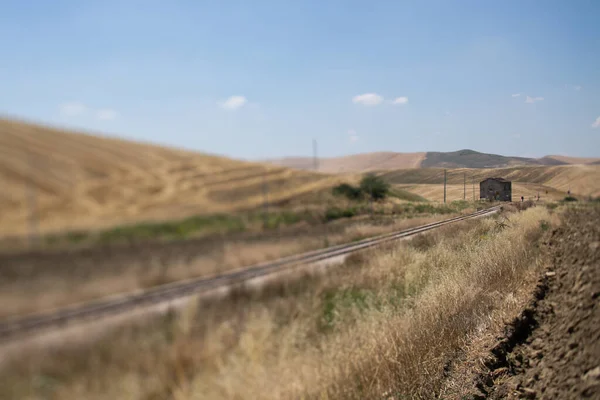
(79, 181)
(383, 325)
(455, 192)
(583, 180)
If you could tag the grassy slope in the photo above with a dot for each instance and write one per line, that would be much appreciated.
(388, 322)
(87, 182)
(34, 284)
(580, 179)
(574, 160)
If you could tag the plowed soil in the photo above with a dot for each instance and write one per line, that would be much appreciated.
(552, 349)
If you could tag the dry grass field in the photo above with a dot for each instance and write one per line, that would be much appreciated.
(575, 160)
(456, 192)
(384, 325)
(582, 180)
(81, 181)
(38, 282)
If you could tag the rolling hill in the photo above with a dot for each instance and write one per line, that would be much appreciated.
(583, 180)
(82, 181)
(354, 163)
(456, 159)
(61, 180)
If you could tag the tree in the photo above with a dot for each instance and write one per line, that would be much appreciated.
(374, 186)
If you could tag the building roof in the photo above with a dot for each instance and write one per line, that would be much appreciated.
(496, 179)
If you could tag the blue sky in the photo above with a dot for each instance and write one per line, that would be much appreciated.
(257, 79)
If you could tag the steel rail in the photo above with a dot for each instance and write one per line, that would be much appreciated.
(15, 328)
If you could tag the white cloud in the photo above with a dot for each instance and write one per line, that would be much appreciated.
(400, 100)
(574, 87)
(517, 135)
(72, 109)
(353, 137)
(106, 114)
(533, 99)
(367, 99)
(234, 102)
(516, 95)
(596, 123)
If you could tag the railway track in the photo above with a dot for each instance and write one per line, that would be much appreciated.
(14, 329)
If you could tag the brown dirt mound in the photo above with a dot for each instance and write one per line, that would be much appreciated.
(552, 350)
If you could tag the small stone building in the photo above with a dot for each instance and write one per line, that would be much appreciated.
(498, 189)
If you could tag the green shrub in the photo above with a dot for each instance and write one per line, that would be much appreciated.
(570, 198)
(374, 187)
(347, 190)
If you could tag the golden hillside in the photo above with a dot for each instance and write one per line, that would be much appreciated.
(355, 163)
(575, 160)
(81, 181)
(358, 163)
(583, 180)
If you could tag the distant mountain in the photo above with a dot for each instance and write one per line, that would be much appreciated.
(455, 159)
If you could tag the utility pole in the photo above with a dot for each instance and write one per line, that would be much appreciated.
(33, 215)
(265, 198)
(315, 157)
(444, 186)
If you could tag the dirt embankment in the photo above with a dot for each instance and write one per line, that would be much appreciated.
(552, 349)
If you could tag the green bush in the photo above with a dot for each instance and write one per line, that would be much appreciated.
(570, 198)
(375, 187)
(345, 189)
(370, 186)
